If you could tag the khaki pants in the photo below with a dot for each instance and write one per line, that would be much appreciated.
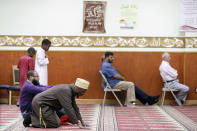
(129, 87)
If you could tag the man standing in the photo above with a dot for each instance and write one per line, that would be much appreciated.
(170, 75)
(42, 61)
(30, 89)
(117, 81)
(45, 104)
(25, 64)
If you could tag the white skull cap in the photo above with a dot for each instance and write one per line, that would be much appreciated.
(81, 83)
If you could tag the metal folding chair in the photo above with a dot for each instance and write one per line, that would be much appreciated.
(167, 88)
(108, 88)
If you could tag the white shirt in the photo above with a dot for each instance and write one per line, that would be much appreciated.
(167, 71)
(41, 63)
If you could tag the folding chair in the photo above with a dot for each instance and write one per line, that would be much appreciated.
(167, 88)
(107, 88)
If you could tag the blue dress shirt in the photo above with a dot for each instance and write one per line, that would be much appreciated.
(109, 71)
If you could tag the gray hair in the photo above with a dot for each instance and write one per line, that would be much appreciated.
(164, 55)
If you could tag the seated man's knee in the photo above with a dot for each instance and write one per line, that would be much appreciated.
(131, 84)
(187, 89)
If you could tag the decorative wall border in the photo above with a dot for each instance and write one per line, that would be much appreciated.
(100, 41)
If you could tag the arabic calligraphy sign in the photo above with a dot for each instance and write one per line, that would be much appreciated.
(93, 16)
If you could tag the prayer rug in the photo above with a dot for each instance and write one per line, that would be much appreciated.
(90, 115)
(186, 115)
(189, 111)
(108, 119)
(114, 118)
(10, 118)
(141, 118)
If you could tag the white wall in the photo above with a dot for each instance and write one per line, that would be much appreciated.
(65, 18)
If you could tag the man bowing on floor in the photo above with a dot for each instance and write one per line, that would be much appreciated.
(45, 105)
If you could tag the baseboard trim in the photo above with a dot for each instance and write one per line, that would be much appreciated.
(4, 100)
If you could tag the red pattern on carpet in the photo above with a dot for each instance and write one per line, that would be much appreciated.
(144, 118)
(8, 116)
(189, 111)
(127, 118)
(89, 113)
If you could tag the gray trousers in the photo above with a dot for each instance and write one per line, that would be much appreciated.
(183, 89)
(48, 116)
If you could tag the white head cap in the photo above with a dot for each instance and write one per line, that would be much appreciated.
(81, 83)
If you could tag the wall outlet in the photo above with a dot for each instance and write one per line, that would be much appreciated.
(196, 90)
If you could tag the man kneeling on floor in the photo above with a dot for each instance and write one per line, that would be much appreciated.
(30, 89)
(45, 105)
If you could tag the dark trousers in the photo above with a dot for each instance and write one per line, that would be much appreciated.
(27, 116)
(60, 112)
(141, 95)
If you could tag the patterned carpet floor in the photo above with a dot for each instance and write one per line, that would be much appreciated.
(115, 118)
(145, 118)
(9, 116)
(185, 115)
(189, 111)
(90, 115)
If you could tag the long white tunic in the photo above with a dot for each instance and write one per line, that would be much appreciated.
(41, 63)
(167, 71)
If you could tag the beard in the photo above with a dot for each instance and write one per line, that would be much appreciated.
(35, 82)
(110, 61)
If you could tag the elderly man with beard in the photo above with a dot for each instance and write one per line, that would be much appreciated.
(30, 89)
(45, 105)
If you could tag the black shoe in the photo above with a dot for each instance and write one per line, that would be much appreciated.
(17, 104)
(153, 99)
(182, 102)
(151, 102)
(143, 101)
(27, 120)
(26, 124)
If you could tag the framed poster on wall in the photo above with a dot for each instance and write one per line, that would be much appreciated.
(128, 16)
(93, 16)
(188, 15)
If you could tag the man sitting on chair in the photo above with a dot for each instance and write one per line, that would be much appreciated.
(117, 81)
(170, 75)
